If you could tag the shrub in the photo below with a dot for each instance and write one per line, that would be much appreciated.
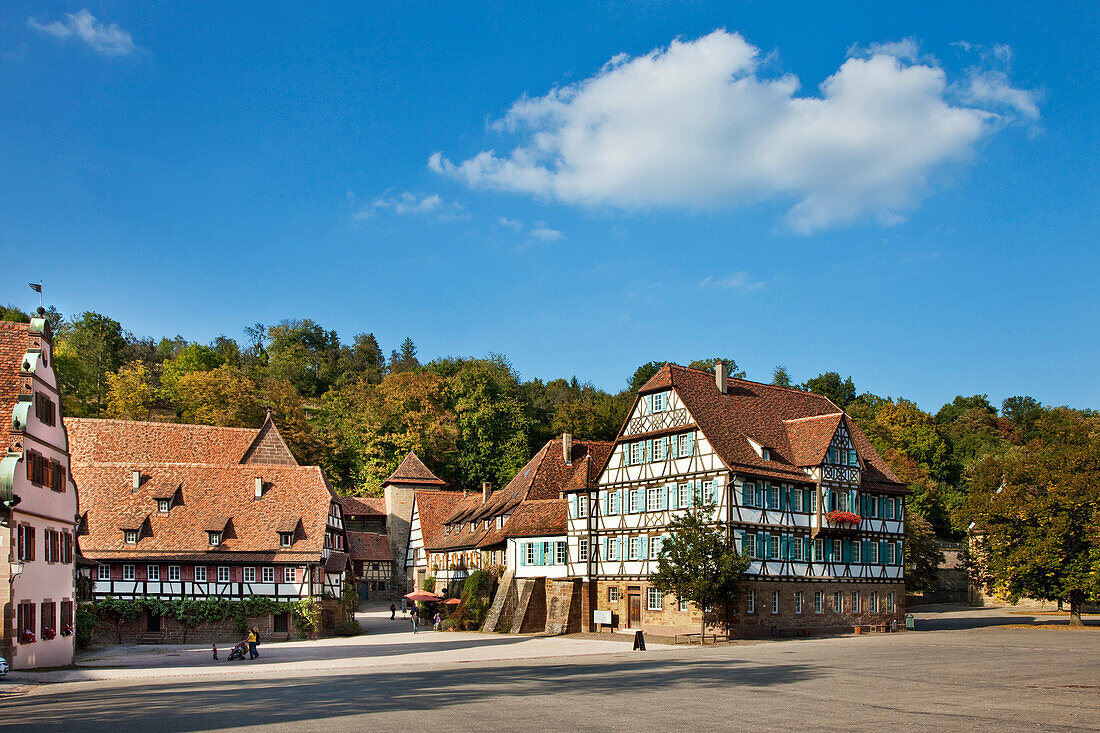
(349, 628)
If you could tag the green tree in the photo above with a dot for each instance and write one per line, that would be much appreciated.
(404, 360)
(1023, 413)
(707, 365)
(130, 393)
(304, 354)
(12, 314)
(698, 563)
(829, 384)
(1036, 511)
(223, 396)
(781, 377)
(191, 358)
(88, 349)
(643, 374)
(922, 554)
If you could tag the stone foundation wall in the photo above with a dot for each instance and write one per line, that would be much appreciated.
(670, 620)
(563, 606)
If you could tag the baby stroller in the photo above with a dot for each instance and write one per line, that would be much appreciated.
(238, 651)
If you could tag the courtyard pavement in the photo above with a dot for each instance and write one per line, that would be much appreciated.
(973, 670)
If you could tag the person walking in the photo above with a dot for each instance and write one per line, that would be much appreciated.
(438, 620)
(393, 610)
(256, 631)
(252, 644)
(415, 617)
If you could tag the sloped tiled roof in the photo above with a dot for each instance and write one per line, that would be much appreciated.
(369, 546)
(209, 497)
(363, 506)
(93, 440)
(14, 340)
(538, 518)
(545, 477)
(759, 411)
(810, 437)
(413, 471)
(337, 562)
(432, 506)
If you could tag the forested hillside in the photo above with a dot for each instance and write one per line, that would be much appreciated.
(356, 412)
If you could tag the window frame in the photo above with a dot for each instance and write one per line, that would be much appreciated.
(163, 506)
(582, 550)
(129, 570)
(226, 574)
(248, 575)
(152, 573)
(750, 601)
(613, 594)
(798, 601)
(198, 570)
(103, 572)
(130, 536)
(775, 602)
(655, 600)
(267, 574)
(819, 601)
(174, 573)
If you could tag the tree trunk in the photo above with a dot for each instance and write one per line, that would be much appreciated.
(1076, 598)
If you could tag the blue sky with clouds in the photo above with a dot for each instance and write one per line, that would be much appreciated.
(907, 195)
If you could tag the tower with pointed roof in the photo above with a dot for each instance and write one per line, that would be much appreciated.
(399, 490)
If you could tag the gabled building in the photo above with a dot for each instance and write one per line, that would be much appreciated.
(38, 503)
(195, 511)
(794, 483)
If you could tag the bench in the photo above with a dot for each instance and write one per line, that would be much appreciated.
(701, 638)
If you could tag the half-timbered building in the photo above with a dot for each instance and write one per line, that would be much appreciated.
(38, 503)
(790, 478)
(195, 511)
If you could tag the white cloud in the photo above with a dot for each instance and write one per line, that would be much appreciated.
(740, 281)
(411, 204)
(514, 224)
(105, 38)
(698, 125)
(546, 234)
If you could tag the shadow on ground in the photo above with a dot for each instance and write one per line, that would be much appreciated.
(277, 701)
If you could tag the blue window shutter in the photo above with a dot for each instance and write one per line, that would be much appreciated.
(808, 549)
(846, 550)
(783, 550)
(643, 547)
(828, 550)
(746, 493)
(574, 503)
(619, 549)
(662, 500)
(882, 552)
(760, 549)
(603, 503)
(882, 506)
(673, 497)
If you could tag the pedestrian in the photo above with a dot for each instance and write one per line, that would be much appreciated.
(393, 611)
(438, 619)
(252, 644)
(415, 617)
(256, 631)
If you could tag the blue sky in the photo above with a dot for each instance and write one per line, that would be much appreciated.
(906, 196)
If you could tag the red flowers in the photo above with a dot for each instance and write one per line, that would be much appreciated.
(27, 637)
(838, 517)
(67, 630)
(48, 633)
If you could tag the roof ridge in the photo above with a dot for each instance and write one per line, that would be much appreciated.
(158, 423)
(753, 381)
(815, 417)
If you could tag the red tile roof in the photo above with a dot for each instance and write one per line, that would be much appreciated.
(762, 412)
(14, 340)
(137, 442)
(363, 506)
(538, 518)
(209, 498)
(369, 546)
(413, 471)
(432, 506)
(810, 437)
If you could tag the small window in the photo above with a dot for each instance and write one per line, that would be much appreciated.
(215, 538)
(613, 594)
(687, 444)
(152, 572)
(286, 539)
(684, 495)
(684, 604)
(250, 575)
(131, 536)
(855, 601)
(819, 601)
(838, 550)
(855, 550)
(582, 507)
(128, 572)
(750, 601)
(163, 505)
(798, 602)
(775, 601)
(838, 602)
(200, 573)
(529, 553)
(559, 553)
(889, 602)
(794, 548)
(659, 402)
(655, 545)
(104, 572)
(173, 573)
(819, 550)
(655, 600)
(873, 605)
(765, 454)
(773, 547)
(267, 575)
(872, 553)
(636, 452)
(289, 575)
(635, 499)
(748, 544)
(635, 543)
(613, 502)
(223, 574)
(582, 550)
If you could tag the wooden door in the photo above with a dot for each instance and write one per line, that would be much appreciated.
(634, 611)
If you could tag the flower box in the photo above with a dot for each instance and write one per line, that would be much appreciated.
(48, 633)
(27, 637)
(839, 517)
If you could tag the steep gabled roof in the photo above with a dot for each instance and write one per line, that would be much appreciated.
(413, 471)
(210, 498)
(365, 506)
(369, 546)
(762, 413)
(538, 518)
(93, 440)
(432, 506)
(810, 437)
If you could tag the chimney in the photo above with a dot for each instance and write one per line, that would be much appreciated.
(720, 377)
(486, 489)
(567, 448)
(259, 487)
(137, 480)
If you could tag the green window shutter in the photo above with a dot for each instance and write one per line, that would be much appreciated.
(649, 403)
(784, 553)
(574, 502)
(662, 500)
(882, 552)
(603, 503)
(748, 491)
(643, 547)
(846, 550)
(673, 497)
(767, 546)
(760, 545)
(619, 549)
(882, 507)
(828, 550)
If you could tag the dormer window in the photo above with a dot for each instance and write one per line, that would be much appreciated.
(215, 538)
(766, 454)
(131, 536)
(286, 539)
(163, 505)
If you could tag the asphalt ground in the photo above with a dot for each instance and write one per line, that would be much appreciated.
(967, 676)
